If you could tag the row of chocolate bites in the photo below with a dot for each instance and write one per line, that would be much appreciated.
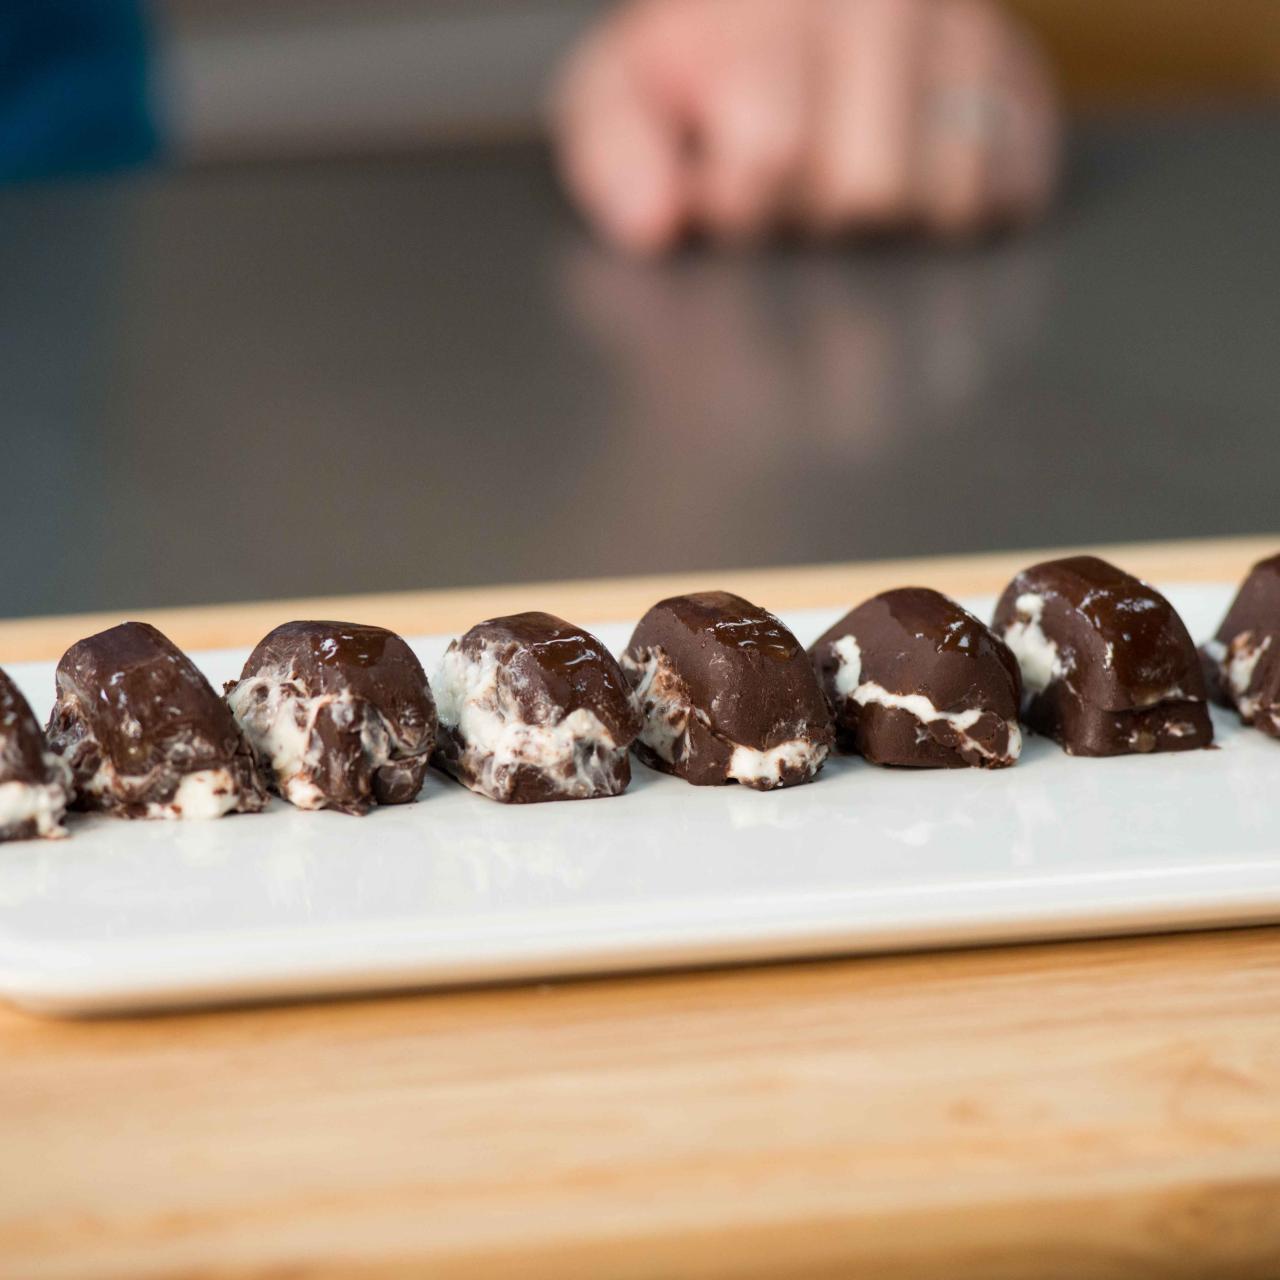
(711, 689)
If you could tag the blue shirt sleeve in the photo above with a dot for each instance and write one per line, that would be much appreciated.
(74, 87)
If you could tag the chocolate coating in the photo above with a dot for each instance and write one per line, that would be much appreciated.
(339, 715)
(1242, 662)
(35, 785)
(1107, 665)
(727, 693)
(534, 708)
(144, 733)
(913, 679)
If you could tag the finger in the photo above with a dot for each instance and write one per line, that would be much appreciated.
(966, 109)
(750, 132)
(861, 161)
(618, 152)
(1025, 167)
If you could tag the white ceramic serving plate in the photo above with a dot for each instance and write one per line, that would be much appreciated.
(456, 888)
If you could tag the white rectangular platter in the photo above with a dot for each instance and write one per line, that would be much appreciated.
(142, 915)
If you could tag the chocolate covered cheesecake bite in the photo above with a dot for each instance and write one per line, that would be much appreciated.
(35, 784)
(339, 716)
(1107, 665)
(145, 735)
(727, 694)
(533, 708)
(915, 680)
(1242, 661)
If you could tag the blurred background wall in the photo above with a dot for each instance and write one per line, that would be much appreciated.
(333, 75)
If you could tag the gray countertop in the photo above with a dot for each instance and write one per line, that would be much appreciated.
(243, 383)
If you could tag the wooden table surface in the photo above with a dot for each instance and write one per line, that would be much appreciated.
(1101, 1109)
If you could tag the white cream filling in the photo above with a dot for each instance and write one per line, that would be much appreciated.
(849, 670)
(206, 793)
(107, 779)
(1037, 655)
(664, 707)
(278, 725)
(44, 803)
(752, 766)
(1239, 668)
(281, 725)
(496, 736)
(917, 705)
(1237, 663)
(203, 793)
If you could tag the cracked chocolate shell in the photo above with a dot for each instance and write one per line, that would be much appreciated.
(1107, 665)
(915, 680)
(727, 694)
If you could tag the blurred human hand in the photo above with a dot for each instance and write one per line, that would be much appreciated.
(740, 117)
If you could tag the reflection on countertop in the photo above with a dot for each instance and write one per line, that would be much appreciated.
(291, 380)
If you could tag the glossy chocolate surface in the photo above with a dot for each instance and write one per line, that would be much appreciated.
(22, 744)
(557, 668)
(1130, 678)
(1257, 603)
(744, 678)
(1242, 663)
(134, 716)
(544, 671)
(24, 758)
(917, 643)
(360, 696)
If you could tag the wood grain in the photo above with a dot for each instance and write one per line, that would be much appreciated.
(1075, 1110)
(1156, 51)
(1103, 1109)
